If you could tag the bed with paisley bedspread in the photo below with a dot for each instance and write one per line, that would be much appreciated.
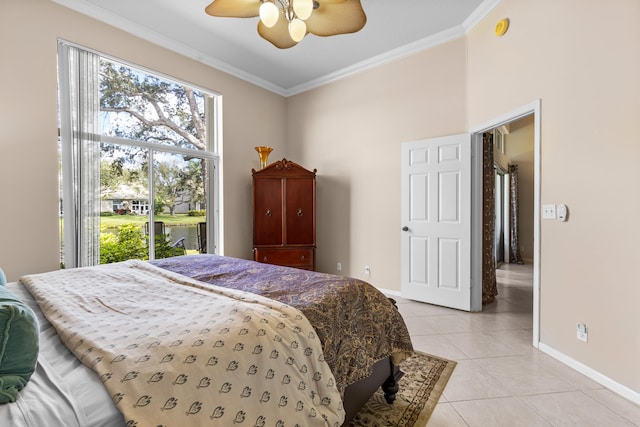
(158, 348)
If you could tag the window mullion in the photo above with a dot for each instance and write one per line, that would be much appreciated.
(157, 147)
(151, 218)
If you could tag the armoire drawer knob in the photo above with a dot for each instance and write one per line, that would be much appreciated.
(265, 259)
(302, 258)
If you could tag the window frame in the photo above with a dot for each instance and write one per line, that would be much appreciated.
(212, 153)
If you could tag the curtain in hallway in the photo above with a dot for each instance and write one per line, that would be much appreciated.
(489, 285)
(515, 256)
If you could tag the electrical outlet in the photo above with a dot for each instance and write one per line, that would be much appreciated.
(549, 211)
(582, 332)
(367, 270)
(339, 266)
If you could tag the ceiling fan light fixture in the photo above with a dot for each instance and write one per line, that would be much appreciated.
(269, 14)
(297, 29)
(303, 8)
(319, 17)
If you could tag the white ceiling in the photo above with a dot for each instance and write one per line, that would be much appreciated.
(394, 29)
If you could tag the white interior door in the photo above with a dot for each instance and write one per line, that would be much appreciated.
(436, 221)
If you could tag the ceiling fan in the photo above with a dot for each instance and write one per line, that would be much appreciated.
(284, 23)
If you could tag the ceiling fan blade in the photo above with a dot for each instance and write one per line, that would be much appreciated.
(336, 17)
(234, 8)
(278, 35)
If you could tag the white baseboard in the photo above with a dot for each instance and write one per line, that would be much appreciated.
(596, 376)
(390, 293)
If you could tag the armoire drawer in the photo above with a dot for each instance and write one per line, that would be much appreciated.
(299, 258)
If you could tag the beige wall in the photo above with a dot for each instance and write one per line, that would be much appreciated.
(586, 75)
(351, 131)
(28, 119)
(587, 78)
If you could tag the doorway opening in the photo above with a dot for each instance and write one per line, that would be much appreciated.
(527, 114)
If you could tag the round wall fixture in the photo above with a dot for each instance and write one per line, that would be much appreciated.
(502, 26)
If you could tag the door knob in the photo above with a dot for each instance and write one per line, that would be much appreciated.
(405, 228)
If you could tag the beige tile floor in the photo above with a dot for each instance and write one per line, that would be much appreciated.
(500, 378)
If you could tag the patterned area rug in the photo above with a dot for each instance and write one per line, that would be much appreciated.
(420, 388)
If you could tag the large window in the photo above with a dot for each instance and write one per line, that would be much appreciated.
(136, 149)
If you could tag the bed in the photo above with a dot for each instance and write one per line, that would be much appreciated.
(335, 341)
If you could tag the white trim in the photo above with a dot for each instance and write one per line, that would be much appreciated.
(479, 14)
(477, 197)
(596, 376)
(532, 108)
(390, 292)
(214, 113)
(152, 209)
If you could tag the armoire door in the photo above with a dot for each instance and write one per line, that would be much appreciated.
(300, 211)
(267, 212)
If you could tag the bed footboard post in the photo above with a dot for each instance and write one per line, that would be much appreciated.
(390, 387)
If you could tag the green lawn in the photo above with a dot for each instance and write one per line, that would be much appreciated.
(178, 219)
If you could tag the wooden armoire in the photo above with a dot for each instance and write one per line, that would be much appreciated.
(284, 215)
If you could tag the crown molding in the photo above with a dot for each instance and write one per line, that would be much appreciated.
(427, 43)
(128, 26)
(479, 14)
(144, 33)
(387, 57)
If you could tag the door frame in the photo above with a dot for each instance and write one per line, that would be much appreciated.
(476, 207)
